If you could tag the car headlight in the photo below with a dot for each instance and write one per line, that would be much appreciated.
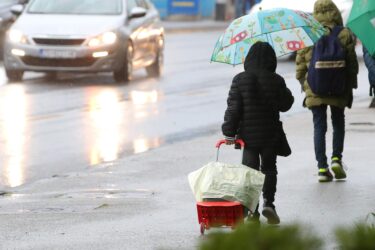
(16, 36)
(106, 38)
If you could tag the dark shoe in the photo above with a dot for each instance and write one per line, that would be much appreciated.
(337, 168)
(325, 175)
(270, 213)
(254, 218)
(372, 104)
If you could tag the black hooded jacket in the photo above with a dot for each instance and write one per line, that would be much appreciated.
(255, 99)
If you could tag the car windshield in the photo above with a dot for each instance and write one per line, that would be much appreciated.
(76, 7)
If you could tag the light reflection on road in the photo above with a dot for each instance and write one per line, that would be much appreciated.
(111, 123)
(144, 97)
(13, 108)
(105, 115)
(140, 99)
(141, 145)
(145, 105)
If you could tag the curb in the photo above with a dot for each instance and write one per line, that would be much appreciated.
(187, 27)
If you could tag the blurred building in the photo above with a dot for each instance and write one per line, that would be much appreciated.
(205, 9)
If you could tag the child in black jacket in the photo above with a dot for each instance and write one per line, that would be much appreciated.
(255, 99)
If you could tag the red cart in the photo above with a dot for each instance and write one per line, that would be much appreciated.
(220, 213)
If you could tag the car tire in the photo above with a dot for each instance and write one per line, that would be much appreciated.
(124, 73)
(14, 75)
(156, 68)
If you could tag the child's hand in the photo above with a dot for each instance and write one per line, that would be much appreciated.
(229, 142)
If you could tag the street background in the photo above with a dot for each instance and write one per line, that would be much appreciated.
(89, 164)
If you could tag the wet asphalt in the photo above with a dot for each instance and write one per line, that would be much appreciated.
(89, 164)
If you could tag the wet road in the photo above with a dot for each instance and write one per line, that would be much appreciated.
(50, 127)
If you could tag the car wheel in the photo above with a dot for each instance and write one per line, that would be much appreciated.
(156, 68)
(14, 75)
(124, 73)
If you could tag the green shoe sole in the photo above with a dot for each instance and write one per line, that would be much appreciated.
(339, 172)
(324, 179)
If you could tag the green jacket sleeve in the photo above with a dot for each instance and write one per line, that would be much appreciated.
(301, 66)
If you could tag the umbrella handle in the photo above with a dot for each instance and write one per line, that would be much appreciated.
(223, 141)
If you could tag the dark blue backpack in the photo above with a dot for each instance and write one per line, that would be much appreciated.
(326, 75)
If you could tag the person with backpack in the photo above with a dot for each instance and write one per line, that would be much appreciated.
(328, 74)
(370, 64)
(255, 100)
(242, 6)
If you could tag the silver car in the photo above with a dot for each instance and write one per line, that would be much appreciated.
(85, 36)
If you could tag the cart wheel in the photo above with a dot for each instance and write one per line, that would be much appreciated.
(202, 228)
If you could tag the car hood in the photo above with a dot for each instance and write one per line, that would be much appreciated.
(66, 25)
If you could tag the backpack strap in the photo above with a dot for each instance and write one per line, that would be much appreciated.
(336, 30)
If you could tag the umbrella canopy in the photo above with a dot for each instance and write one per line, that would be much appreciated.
(284, 29)
(362, 23)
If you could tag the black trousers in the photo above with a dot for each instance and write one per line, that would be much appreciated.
(263, 159)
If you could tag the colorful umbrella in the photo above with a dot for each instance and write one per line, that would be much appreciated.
(286, 30)
(362, 23)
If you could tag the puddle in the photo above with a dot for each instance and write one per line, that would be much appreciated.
(86, 194)
(108, 194)
(71, 202)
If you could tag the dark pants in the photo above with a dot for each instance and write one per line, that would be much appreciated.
(263, 159)
(320, 129)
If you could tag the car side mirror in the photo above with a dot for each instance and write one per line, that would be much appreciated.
(17, 9)
(137, 12)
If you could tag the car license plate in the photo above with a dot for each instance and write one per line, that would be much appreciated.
(48, 53)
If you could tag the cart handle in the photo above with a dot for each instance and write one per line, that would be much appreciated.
(223, 141)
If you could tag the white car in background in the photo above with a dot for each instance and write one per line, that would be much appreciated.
(304, 5)
(115, 36)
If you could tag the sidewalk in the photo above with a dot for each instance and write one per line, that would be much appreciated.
(144, 201)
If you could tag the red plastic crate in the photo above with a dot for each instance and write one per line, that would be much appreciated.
(219, 213)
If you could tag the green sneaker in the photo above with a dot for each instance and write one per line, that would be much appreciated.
(337, 168)
(324, 175)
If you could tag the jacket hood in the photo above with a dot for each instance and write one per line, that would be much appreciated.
(327, 13)
(261, 57)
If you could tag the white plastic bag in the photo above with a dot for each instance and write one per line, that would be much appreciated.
(229, 182)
